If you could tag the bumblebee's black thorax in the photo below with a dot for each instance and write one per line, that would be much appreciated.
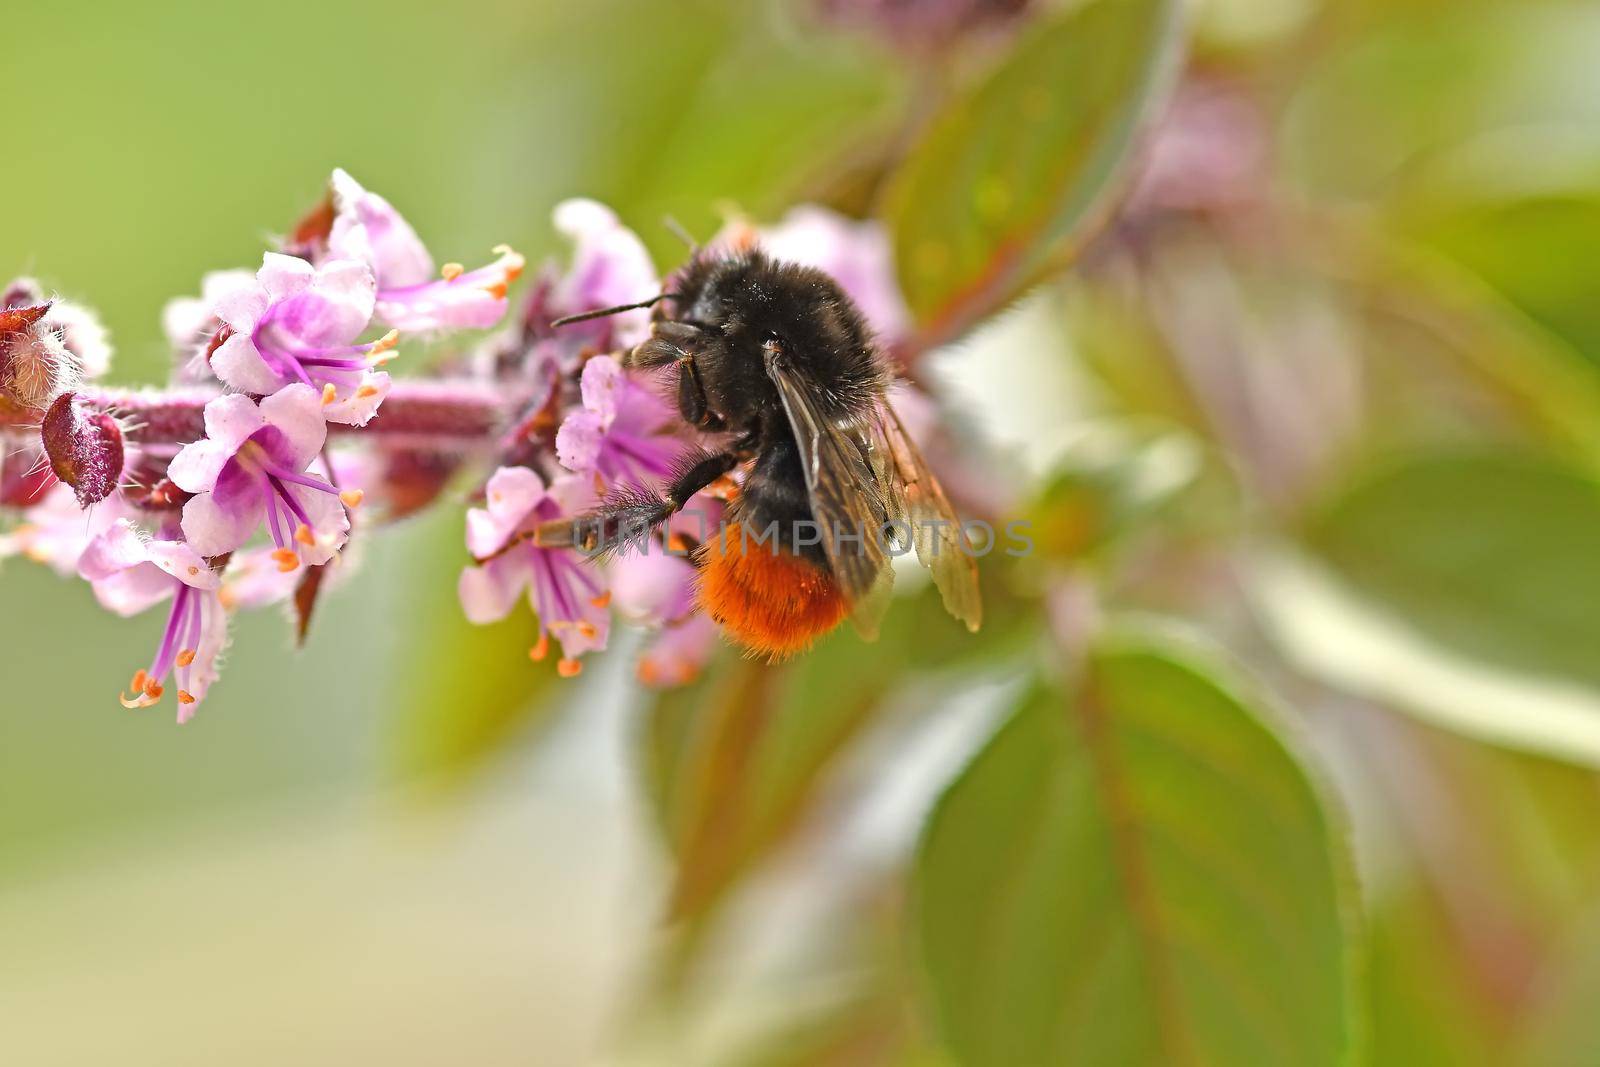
(742, 301)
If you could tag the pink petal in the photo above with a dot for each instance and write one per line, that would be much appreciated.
(212, 529)
(283, 276)
(330, 524)
(198, 464)
(296, 411)
(610, 265)
(240, 366)
(486, 535)
(488, 593)
(651, 587)
(241, 306)
(231, 419)
(603, 379)
(183, 318)
(512, 493)
(254, 579)
(213, 641)
(578, 441)
(441, 305)
(183, 563)
(572, 493)
(680, 653)
(350, 284)
(370, 229)
(131, 591)
(362, 403)
(116, 549)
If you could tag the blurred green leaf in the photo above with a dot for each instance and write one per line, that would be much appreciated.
(1562, 1029)
(474, 691)
(1350, 639)
(1526, 248)
(1005, 182)
(1490, 554)
(1461, 587)
(1423, 1007)
(734, 763)
(1139, 872)
(1376, 118)
(1420, 303)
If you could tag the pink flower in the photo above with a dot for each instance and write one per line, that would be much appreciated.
(679, 653)
(191, 323)
(250, 468)
(56, 531)
(566, 590)
(297, 323)
(130, 575)
(856, 254)
(653, 584)
(623, 432)
(610, 266)
(369, 230)
(650, 586)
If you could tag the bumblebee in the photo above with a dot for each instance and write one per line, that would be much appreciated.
(773, 360)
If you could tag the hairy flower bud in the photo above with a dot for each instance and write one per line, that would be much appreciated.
(33, 363)
(47, 347)
(24, 478)
(85, 448)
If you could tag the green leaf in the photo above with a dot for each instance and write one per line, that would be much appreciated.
(1375, 121)
(1137, 872)
(1461, 587)
(1490, 554)
(1006, 181)
(1525, 246)
(474, 692)
(1561, 1029)
(1424, 1006)
(736, 762)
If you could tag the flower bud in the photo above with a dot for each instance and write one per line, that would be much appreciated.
(33, 364)
(24, 478)
(47, 347)
(85, 448)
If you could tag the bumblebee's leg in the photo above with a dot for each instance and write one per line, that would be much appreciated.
(673, 342)
(628, 517)
(692, 403)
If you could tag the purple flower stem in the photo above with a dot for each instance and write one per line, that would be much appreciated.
(438, 415)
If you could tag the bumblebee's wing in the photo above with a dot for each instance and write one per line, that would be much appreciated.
(844, 494)
(941, 545)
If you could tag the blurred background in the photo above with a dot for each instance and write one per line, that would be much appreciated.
(1319, 387)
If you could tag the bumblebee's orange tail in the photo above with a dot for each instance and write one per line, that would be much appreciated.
(774, 603)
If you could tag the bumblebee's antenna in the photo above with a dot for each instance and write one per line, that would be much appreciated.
(681, 232)
(603, 312)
